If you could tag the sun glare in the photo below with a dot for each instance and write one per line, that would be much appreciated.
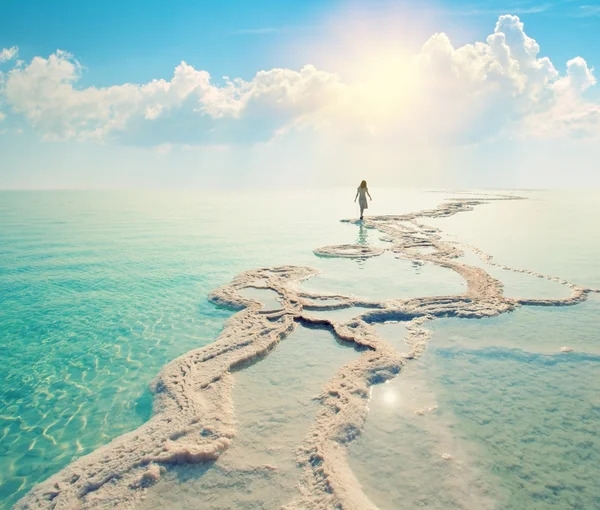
(374, 52)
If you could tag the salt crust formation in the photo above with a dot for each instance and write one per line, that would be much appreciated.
(348, 251)
(193, 418)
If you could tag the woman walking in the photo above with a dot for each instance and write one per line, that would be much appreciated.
(362, 192)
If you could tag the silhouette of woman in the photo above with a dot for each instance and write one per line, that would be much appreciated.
(362, 192)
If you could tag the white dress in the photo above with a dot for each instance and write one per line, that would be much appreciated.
(362, 197)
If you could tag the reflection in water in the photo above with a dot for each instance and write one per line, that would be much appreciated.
(363, 239)
(417, 265)
(363, 235)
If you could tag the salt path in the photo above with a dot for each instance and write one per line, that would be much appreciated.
(193, 419)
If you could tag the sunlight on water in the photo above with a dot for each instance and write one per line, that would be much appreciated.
(100, 290)
(275, 406)
(535, 414)
(399, 461)
(519, 418)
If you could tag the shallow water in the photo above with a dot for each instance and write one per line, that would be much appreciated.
(519, 417)
(398, 458)
(392, 332)
(519, 285)
(382, 277)
(269, 299)
(553, 232)
(531, 409)
(339, 315)
(544, 330)
(100, 290)
(275, 406)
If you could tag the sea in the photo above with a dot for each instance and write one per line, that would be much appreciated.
(100, 289)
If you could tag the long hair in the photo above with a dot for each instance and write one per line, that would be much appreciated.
(363, 184)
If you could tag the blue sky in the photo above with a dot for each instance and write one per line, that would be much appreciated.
(140, 40)
(248, 137)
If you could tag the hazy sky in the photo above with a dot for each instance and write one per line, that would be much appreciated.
(191, 94)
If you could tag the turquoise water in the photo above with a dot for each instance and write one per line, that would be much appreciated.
(398, 458)
(387, 278)
(533, 413)
(519, 418)
(100, 289)
(275, 408)
(553, 232)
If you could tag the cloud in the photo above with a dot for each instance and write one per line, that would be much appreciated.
(570, 114)
(588, 11)
(7, 54)
(44, 92)
(490, 84)
(443, 94)
(533, 9)
(503, 83)
(189, 106)
(579, 77)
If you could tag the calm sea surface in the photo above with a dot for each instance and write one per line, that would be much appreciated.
(98, 290)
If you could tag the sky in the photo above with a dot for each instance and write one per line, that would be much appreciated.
(271, 94)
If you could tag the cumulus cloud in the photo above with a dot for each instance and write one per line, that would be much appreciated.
(479, 88)
(45, 92)
(447, 94)
(570, 114)
(7, 54)
(578, 79)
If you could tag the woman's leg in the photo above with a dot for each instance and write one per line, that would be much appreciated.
(361, 212)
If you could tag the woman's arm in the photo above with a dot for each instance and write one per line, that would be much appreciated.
(369, 195)
(356, 196)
